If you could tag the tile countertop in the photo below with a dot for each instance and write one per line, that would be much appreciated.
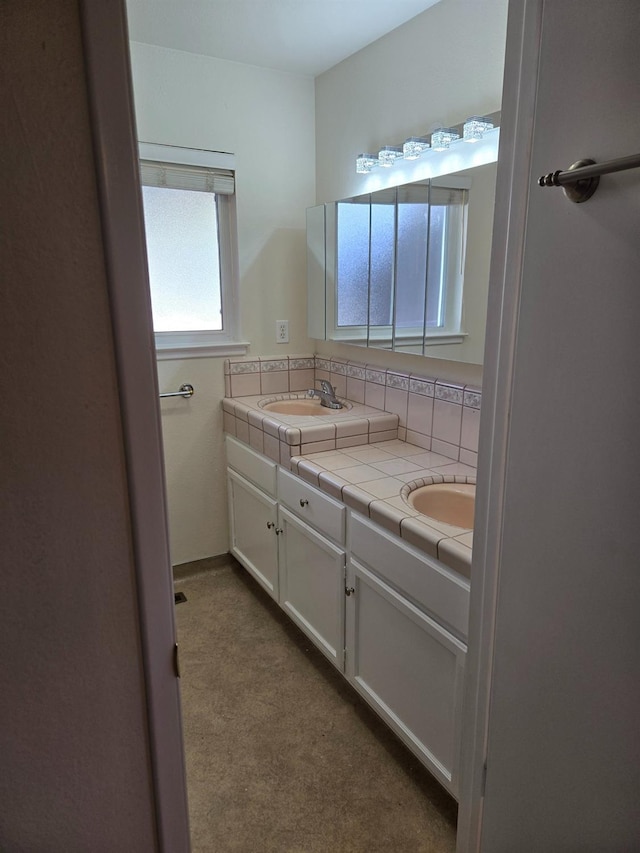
(355, 424)
(370, 478)
(354, 455)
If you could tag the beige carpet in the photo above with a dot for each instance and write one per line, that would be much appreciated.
(282, 755)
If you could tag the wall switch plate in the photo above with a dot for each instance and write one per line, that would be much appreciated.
(282, 331)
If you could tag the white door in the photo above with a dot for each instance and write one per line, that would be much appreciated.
(106, 54)
(560, 446)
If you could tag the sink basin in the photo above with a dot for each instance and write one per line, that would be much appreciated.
(299, 407)
(452, 503)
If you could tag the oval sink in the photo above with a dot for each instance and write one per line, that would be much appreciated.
(452, 503)
(299, 407)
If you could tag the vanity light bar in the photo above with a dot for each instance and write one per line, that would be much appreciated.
(414, 147)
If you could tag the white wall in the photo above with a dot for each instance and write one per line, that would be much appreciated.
(266, 118)
(75, 760)
(440, 67)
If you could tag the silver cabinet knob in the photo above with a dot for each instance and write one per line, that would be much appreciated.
(304, 502)
(349, 590)
(279, 530)
(270, 524)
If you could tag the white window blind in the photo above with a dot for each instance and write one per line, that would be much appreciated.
(195, 178)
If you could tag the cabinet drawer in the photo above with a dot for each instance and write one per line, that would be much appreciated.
(312, 505)
(429, 584)
(255, 467)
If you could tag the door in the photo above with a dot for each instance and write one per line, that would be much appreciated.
(560, 450)
(110, 103)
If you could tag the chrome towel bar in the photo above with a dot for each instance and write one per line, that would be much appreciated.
(186, 390)
(581, 180)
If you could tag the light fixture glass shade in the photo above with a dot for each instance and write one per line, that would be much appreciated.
(388, 154)
(443, 137)
(366, 163)
(475, 127)
(414, 147)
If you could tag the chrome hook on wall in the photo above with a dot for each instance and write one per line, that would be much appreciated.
(581, 180)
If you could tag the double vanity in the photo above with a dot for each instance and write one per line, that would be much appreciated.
(365, 542)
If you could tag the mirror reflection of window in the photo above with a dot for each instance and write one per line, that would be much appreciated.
(411, 264)
(383, 227)
(399, 264)
(352, 262)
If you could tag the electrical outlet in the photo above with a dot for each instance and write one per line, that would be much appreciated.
(282, 331)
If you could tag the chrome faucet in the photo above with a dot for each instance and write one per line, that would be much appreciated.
(326, 394)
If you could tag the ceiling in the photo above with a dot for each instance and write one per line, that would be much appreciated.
(299, 36)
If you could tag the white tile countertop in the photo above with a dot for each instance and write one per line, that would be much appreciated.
(355, 456)
(370, 478)
(281, 436)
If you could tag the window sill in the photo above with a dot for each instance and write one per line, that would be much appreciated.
(178, 345)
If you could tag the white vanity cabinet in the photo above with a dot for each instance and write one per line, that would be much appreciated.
(400, 657)
(388, 616)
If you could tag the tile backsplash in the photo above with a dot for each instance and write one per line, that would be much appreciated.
(434, 414)
(245, 377)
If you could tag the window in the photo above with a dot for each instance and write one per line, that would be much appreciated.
(189, 214)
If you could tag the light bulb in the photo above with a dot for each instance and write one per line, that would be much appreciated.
(366, 163)
(388, 154)
(414, 147)
(443, 137)
(475, 128)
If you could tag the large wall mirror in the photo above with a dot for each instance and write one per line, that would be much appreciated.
(405, 268)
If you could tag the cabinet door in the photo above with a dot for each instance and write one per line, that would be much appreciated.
(253, 517)
(312, 585)
(409, 669)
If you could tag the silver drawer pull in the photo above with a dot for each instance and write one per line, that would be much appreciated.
(304, 502)
(279, 530)
(349, 590)
(270, 524)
